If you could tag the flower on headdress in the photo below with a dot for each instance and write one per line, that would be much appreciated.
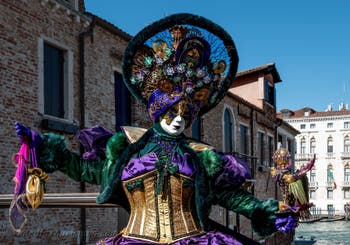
(148, 61)
(181, 68)
(199, 84)
(189, 73)
(189, 90)
(216, 77)
(207, 79)
(141, 75)
(133, 80)
(170, 71)
(168, 52)
(201, 73)
(159, 60)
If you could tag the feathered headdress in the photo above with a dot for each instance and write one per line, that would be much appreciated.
(181, 57)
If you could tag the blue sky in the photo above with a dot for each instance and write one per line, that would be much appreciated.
(309, 40)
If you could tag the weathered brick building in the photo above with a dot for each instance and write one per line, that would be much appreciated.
(80, 54)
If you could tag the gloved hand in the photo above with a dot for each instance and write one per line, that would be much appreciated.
(286, 223)
(30, 137)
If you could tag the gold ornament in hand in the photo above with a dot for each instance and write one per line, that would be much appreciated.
(35, 186)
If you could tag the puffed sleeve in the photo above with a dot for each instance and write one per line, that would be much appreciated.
(228, 174)
(234, 172)
(261, 213)
(53, 155)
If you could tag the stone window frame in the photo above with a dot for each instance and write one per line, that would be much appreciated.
(68, 80)
(233, 128)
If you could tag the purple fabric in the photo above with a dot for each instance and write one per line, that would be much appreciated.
(146, 163)
(183, 163)
(208, 238)
(285, 224)
(94, 141)
(139, 166)
(25, 158)
(159, 102)
(235, 172)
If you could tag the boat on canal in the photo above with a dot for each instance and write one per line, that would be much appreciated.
(304, 241)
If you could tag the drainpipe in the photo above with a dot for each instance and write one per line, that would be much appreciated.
(252, 146)
(82, 36)
(277, 124)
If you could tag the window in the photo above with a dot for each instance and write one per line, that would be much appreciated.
(330, 145)
(346, 193)
(54, 84)
(289, 145)
(285, 114)
(312, 125)
(330, 177)
(329, 125)
(228, 131)
(312, 145)
(261, 150)
(303, 146)
(244, 139)
(347, 173)
(279, 141)
(122, 102)
(312, 194)
(270, 145)
(302, 126)
(313, 175)
(347, 144)
(329, 194)
(346, 124)
(330, 209)
(270, 93)
(197, 128)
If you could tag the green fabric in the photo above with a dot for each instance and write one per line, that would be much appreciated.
(53, 155)
(211, 161)
(261, 213)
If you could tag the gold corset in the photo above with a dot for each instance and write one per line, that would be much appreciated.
(160, 218)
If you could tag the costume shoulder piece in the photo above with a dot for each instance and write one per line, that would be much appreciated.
(133, 134)
(199, 146)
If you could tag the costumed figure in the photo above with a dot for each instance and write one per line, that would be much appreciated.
(180, 67)
(294, 186)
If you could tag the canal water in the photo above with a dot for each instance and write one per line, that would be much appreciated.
(325, 233)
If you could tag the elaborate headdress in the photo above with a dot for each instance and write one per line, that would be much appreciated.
(181, 57)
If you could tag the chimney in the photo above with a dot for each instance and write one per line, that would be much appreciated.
(342, 106)
(329, 107)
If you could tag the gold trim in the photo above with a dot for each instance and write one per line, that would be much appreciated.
(198, 146)
(133, 133)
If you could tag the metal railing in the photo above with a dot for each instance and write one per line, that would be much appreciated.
(70, 200)
(345, 155)
(313, 185)
(303, 156)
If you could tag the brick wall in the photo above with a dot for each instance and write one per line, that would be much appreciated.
(23, 22)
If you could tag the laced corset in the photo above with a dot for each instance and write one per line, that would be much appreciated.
(160, 191)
